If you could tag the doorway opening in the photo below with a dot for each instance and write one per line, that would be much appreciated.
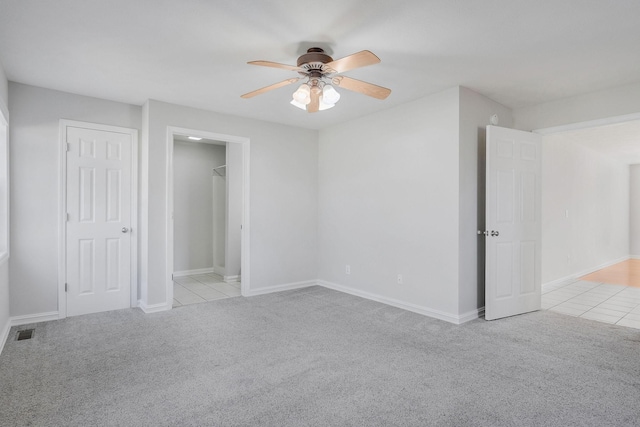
(208, 212)
(590, 212)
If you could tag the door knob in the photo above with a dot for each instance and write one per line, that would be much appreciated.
(125, 229)
(495, 233)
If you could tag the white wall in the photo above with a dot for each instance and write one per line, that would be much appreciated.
(475, 112)
(283, 196)
(193, 203)
(396, 192)
(634, 211)
(283, 191)
(594, 189)
(399, 194)
(34, 144)
(4, 88)
(388, 204)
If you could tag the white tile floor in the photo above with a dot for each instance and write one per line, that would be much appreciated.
(202, 288)
(616, 304)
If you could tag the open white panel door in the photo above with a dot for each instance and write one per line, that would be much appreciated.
(513, 226)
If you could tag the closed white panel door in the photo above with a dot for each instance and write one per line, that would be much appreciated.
(513, 226)
(98, 238)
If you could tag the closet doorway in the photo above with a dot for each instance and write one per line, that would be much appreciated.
(207, 213)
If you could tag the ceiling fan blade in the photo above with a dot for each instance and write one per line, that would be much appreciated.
(369, 89)
(268, 88)
(357, 60)
(275, 65)
(314, 105)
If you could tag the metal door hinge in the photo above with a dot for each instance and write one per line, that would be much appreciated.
(66, 287)
(67, 147)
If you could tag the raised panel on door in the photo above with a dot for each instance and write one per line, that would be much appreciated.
(113, 195)
(87, 266)
(87, 200)
(113, 280)
(504, 272)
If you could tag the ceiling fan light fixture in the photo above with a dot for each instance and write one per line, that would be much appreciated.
(325, 105)
(298, 104)
(330, 95)
(303, 94)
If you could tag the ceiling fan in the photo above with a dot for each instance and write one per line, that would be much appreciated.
(319, 72)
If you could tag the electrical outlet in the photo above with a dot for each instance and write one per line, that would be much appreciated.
(347, 269)
(399, 279)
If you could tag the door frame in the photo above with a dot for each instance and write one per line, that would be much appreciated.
(62, 208)
(587, 124)
(245, 221)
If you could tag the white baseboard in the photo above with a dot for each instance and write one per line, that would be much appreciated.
(471, 315)
(154, 308)
(635, 257)
(34, 318)
(560, 282)
(425, 311)
(279, 288)
(192, 272)
(573, 277)
(231, 278)
(4, 334)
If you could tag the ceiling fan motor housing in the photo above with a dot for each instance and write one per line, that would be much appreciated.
(314, 59)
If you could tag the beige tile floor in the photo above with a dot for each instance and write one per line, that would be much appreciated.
(615, 304)
(202, 288)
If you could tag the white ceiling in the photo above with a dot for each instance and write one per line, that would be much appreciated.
(194, 52)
